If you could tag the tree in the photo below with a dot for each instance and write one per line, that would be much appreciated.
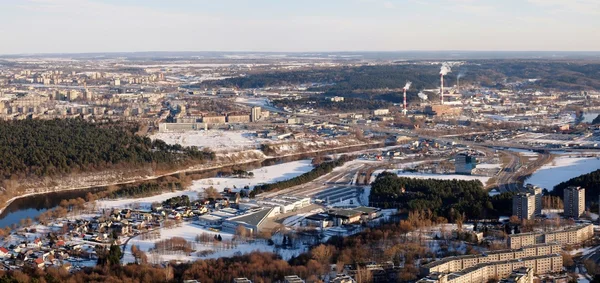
(567, 260)
(114, 255)
(211, 193)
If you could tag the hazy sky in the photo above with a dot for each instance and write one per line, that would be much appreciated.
(50, 26)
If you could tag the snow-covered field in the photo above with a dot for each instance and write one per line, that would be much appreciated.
(189, 231)
(267, 174)
(264, 175)
(489, 166)
(216, 140)
(400, 173)
(562, 169)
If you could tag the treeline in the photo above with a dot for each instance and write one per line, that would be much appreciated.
(348, 81)
(145, 189)
(51, 147)
(318, 171)
(589, 181)
(450, 198)
(342, 81)
(349, 104)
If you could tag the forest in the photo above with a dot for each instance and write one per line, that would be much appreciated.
(349, 104)
(449, 198)
(361, 80)
(318, 171)
(51, 147)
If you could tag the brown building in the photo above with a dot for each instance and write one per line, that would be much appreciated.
(214, 119)
(442, 110)
(238, 118)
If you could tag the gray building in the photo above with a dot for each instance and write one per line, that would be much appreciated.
(252, 222)
(464, 163)
(574, 199)
(524, 205)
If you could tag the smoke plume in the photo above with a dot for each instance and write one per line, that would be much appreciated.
(407, 85)
(422, 96)
(446, 68)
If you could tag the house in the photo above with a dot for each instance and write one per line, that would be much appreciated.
(4, 252)
(39, 262)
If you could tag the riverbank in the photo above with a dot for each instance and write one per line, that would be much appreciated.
(201, 169)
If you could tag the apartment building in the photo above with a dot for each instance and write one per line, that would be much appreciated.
(574, 199)
(502, 269)
(524, 205)
(458, 263)
(569, 236)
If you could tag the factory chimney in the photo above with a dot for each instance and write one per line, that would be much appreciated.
(442, 87)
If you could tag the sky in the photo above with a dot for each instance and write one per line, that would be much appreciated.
(79, 26)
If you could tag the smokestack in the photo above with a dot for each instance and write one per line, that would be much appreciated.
(406, 87)
(442, 87)
(458, 84)
(404, 111)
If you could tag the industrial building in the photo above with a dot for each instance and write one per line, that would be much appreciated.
(252, 222)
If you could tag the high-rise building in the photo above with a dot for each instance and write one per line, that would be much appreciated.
(464, 163)
(574, 199)
(256, 114)
(524, 205)
(537, 191)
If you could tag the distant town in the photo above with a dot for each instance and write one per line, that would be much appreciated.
(297, 168)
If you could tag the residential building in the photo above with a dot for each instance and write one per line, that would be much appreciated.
(537, 191)
(524, 205)
(574, 200)
(502, 269)
(255, 115)
(458, 263)
(570, 236)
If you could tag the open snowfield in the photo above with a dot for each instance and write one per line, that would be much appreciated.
(264, 175)
(562, 169)
(267, 174)
(216, 140)
(189, 231)
(489, 166)
(400, 173)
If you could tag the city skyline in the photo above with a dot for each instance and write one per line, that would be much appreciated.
(81, 26)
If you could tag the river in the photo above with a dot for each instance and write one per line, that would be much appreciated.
(32, 206)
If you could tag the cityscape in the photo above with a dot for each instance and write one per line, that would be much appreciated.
(302, 161)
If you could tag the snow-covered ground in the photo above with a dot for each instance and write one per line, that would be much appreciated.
(267, 174)
(562, 168)
(189, 231)
(401, 173)
(216, 140)
(489, 166)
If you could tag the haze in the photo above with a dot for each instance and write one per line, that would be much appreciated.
(64, 26)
